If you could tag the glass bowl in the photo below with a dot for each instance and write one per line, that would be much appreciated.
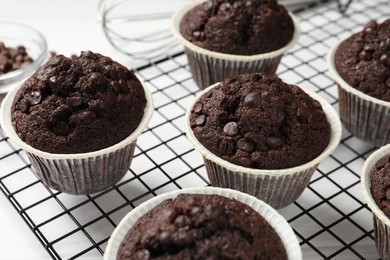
(14, 34)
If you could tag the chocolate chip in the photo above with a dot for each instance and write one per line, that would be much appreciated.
(245, 145)
(370, 27)
(198, 35)
(35, 98)
(388, 194)
(24, 105)
(165, 238)
(369, 47)
(74, 101)
(195, 211)
(182, 239)
(226, 147)
(252, 100)
(54, 80)
(387, 82)
(224, 7)
(98, 79)
(181, 221)
(56, 61)
(200, 120)
(382, 162)
(198, 108)
(385, 44)
(13, 58)
(385, 59)
(116, 87)
(274, 142)
(365, 55)
(236, 4)
(230, 129)
(88, 54)
(257, 77)
(61, 128)
(208, 6)
(143, 254)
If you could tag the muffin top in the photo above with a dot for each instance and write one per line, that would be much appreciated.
(380, 184)
(196, 226)
(241, 27)
(260, 122)
(363, 60)
(78, 105)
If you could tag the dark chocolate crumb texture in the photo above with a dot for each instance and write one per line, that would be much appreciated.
(238, 27)
(78, 105)
(258, 121)
(195, 226)
(380, 184)
(363, 60)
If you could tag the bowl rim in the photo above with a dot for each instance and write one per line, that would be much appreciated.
(7, 126)
(12, 76)
(342, 83)
(334, 141)
(175, 23)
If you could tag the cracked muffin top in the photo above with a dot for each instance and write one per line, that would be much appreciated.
(258, 121)
(240, 27)
(196, 226)
(78, 105)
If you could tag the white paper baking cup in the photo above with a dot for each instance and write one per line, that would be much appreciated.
(208, 67)
(366, 117)
(282, 228)
(279, 188)
(82, 173)
(381, 221)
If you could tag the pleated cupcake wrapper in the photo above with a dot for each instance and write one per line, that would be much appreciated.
(208, 67)
(282, 228)
(84, 176)
(82, 173)
(382, 242)
(207, 70)
(366, 117)
(278, 188)
(380, 221)
(278, 191)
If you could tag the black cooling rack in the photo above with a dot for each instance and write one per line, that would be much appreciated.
(330, 219)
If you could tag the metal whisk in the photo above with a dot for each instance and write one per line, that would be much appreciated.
(139, 30)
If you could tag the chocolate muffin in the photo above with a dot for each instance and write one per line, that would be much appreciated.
(78, 105)
(260, 122)
(198, 226)
(380, 184)
(363, 60)
(238, 27)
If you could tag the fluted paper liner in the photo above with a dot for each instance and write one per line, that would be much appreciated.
(278, 188)
(282, 228)
(208, 67)
(366, 117)
(82, 173)
(380, 221)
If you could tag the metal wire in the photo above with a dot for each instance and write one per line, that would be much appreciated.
(330, 219)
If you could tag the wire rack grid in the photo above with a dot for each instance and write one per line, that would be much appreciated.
(330, 219)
